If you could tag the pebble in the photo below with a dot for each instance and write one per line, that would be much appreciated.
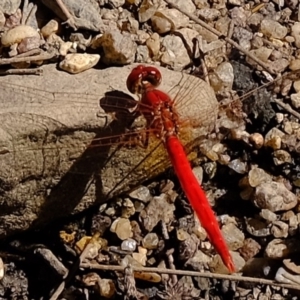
(257, 140)
(129, 245)
(225, 73)
(17, 34)
(9, 7)
(186, 5)
(175, 54)
(51, 27)
(182, 235)
(279, 248)
(209, 14)
(198, 260)
(142, 54)
(118, 48)
(273, 138)
(295, 33)
(161, 25)
(29, 43)
(175, 17)
(142, 193)
(249, 249)
(273, 29)
(122, 228)
(75, 63)
(188, 36)
(238, 166)
(153, 44)
(128, 209)
(281, 157)
(107, 288)
(150, 241)
(147, 10)
(233, 236)
(296, 86)
(274, 196)
(257, 176)
(284, 276)
(159, 209)
(2, 20)
(294, 64)
(140, 256)
(257, 227)
(295, 100)
(279, 229)
(268, 215)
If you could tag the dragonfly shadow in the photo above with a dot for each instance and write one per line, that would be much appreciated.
(86, 170)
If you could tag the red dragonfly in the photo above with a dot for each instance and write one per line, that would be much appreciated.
(163, 119)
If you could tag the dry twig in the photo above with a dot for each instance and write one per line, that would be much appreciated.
(192, 273)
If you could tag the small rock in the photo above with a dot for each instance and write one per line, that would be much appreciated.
(239, 15)
(2, 20)
(159, 209)
(273, 138)
(281, 157)
(17, 34)
(175, 17)
(181, 234)
(257, 140)
(295, 32)
(257, 176)
(141, 256)
(28, 44)
(51, 27)
(217, 265)
(198, 261)
(294, 64)
(150, 241)
(118, 48)
(273, 29)
(75, 63)
(225, 73)
(175, 54)
(296, 86)
(141, 193)
(295, 100)
(284, 276)
(279, 248)
(142, 54)
(257, 227)
(268, 215)
(249, 249)
(274, 196)
(188, 36)
(128, 209)
(279, 65)
(279, 229)
(234, 237)
(107, 288)
(186, 5)
(147, 10)
(153, 44)
(238, 166)
(161, 25)
(209, 14)
(122, 228)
